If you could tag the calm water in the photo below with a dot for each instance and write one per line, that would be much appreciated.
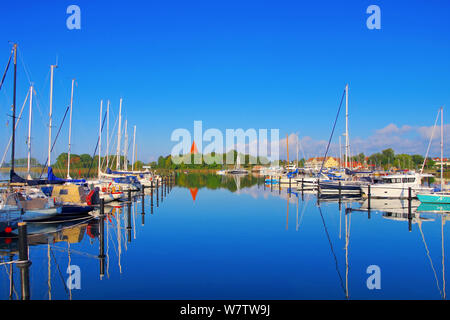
(213, 237)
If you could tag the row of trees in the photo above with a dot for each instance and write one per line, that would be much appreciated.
(84, 161)
(209, 161)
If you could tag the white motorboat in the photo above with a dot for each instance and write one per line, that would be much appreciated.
(397, 186)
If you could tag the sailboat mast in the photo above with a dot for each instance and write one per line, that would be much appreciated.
(29, 133)
(347, 151)
(13, 149)
(118, 136)
(70, 130)
(287, 146)
(52, 67)
(340, 153)
(125, 147)
(100, 139)
(134, 148)
(107, 135)
(442, 148)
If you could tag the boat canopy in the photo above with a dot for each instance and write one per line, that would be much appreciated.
(52, 177)
(14, 178)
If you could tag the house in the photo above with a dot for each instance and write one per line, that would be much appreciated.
(445, 162)
(316, 163)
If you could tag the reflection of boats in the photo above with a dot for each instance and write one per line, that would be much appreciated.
(390, 205)
(434, 207)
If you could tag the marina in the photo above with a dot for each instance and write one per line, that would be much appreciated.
(224, 159)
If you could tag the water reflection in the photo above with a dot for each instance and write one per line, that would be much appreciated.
(255, 242)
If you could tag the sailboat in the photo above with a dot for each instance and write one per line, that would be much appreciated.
(440, 196)
(237, 169)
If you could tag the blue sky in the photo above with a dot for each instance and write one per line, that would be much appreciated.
(232, 64)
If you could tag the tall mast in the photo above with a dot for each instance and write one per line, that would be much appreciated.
(340, 153)
(118, 136)
(13, 149)
(29, 133)
(70, 130)
(52, 67)
(297, 151)
(347, 146)
(134, 148)
(107, 135)
(100, 139)
(287, 146)
(442, 148)
(125, 147)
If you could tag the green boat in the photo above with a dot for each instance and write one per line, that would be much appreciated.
(438, 197)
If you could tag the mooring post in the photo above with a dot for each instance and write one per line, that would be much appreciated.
(271, 184)
(24, 263)
(157, 194)
(409, 208)
(340, 190)
(303, 185)
(129, 195)
(369, 196)
(318, 188)
(129, 222)
(289, 183)
(142, 200)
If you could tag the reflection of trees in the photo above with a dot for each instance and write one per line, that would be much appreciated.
(214, 181)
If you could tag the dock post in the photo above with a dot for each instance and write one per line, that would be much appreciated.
(24, 263)
(129, 195)
(157, 194)
(129, 222)
(289, 184)
(340, 191)
(143, 199)
(369, 196)
(409, 209)
(101, 222)
(303, 185)
(318, 188)
(271, 184)
(279, 185)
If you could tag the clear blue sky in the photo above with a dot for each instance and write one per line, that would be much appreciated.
(232, 64)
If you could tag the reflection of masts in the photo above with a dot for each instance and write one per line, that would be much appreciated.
(49, 282)
(107, 247)
(443, 256)
(69, 264)
(287, 214)
(347, 240)
(119, 239)
(419, 223)
(332, 250)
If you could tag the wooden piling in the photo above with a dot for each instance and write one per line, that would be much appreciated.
(24, 263)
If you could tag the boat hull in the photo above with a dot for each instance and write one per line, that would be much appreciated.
(434, 198)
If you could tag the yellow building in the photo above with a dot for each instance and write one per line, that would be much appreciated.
(316, 163)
